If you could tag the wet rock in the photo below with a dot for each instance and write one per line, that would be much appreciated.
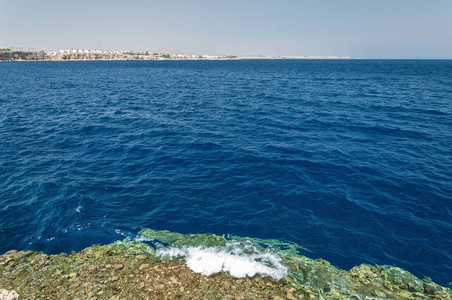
(430, 288)
(380, 294)
(126, 268)
(185, 240)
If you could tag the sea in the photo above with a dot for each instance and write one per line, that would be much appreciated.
(350, 159)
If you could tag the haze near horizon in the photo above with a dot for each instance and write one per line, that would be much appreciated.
(355, 28)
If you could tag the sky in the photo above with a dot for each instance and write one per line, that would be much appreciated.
(355, 28)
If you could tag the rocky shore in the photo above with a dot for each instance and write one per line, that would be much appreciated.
(134, 270)
(23, 56)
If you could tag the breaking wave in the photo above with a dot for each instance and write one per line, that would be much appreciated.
(239, 259)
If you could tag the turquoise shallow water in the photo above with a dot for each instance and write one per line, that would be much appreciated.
(350, 159)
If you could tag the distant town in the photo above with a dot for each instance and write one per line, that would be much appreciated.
(138, 54)
(32, 54)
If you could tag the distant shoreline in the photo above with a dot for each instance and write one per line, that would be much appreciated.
(15, 56)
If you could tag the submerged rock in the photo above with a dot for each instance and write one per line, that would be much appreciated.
(179, 239)
(134, 270)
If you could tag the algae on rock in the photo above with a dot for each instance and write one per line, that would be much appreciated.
(131, 270)
(179, 239)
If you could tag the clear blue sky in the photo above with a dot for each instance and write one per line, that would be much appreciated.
(357, 28)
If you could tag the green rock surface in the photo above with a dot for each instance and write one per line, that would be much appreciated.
(132, 270)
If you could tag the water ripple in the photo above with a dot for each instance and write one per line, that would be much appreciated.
(350, 159)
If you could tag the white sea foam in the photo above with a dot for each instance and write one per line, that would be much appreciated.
(239, 259)
(142, 238)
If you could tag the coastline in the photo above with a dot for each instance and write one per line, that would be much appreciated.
(17, 56)
(135, 269)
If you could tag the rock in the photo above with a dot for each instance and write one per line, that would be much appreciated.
(290, 296)
(403, 295)
(380, 294)
(111, 270)
(430, 288)
(8, 295)
(417, 294)
(22, 56)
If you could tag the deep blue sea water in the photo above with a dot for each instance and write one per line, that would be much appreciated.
(352, 159)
